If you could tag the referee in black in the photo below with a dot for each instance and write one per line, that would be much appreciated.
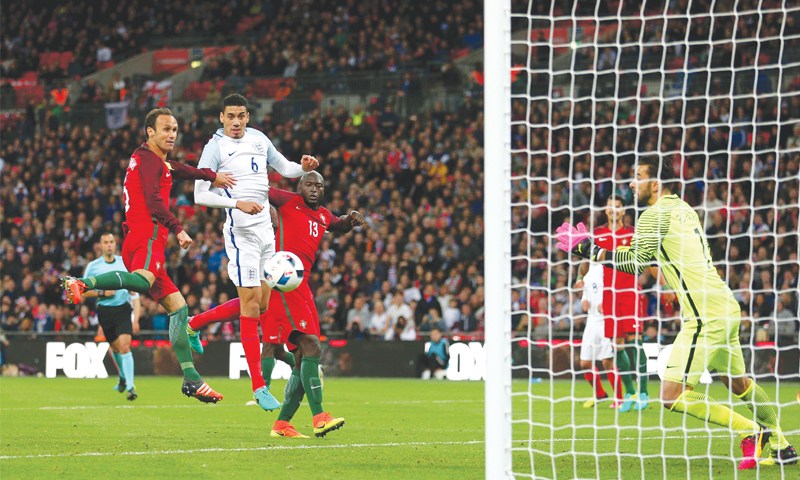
(117, 312)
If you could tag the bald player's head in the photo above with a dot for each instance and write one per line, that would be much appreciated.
(312, 188)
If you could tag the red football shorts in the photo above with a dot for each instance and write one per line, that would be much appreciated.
(142, 253)
(622, 313)
(287, 312)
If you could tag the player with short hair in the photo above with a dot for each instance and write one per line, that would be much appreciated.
(670, 232)
(246, 153)
(595, 345)
(148, 222)
(300, 223)
(114, 312)
(621, 307)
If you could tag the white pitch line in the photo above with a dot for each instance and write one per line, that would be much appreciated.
(349, 445)
(252, 449)
(93, 407)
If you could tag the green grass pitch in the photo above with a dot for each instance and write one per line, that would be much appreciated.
(566, 440)
(396, 429)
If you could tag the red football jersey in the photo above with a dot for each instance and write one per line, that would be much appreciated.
(148, 181)
(299, 229)
(605, 238)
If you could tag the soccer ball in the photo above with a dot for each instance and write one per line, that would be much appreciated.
(284, 271)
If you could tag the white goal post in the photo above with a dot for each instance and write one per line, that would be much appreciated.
(497, 235)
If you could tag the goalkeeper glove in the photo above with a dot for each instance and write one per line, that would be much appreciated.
(577, 241)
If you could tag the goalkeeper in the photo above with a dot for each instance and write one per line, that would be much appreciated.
(670, 232)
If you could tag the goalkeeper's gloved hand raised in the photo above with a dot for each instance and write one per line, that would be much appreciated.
(577, 241)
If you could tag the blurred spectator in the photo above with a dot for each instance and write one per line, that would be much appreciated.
(379, 321)
(452, 316)
(116, 91)
(431, 321)
(403, 329)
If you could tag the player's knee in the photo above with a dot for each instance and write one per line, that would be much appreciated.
(147, 274)
(309, 345)
(586, 365)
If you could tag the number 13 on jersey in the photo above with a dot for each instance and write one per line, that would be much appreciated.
(313, 228)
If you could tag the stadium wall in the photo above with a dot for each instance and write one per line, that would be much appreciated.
(353, 359)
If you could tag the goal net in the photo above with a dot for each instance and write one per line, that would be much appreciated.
(576, 93)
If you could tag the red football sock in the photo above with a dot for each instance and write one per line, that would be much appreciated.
(227, 312)
(616, 383)
(252, 350)
(594, 380)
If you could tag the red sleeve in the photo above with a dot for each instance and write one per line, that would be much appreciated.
(279, 198)
(337, 225)
(150, 174)
(185, 172)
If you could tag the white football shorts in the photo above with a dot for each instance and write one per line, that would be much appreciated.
(248, 250)
(594, 344)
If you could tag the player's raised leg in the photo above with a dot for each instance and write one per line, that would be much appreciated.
(227, 312)
(681, 398)
(122, 280)
(687, 362)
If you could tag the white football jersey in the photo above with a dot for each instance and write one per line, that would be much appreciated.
(593, 292)
(246, 159)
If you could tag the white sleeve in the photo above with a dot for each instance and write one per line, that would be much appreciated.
(202, 189)
(205, 197)
(276, 160)
(210, 158)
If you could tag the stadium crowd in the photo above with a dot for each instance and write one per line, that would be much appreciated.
(52, 45)
(737, 152)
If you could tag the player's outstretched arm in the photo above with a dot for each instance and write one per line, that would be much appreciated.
(185, 172)
(651, 227)
(345, 223)
(309, 163)
(288, 169)
(578, 241)
(205, 197)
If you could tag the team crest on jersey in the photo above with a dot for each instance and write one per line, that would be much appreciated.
(260, 148)
(303, 324)
(251, 274)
